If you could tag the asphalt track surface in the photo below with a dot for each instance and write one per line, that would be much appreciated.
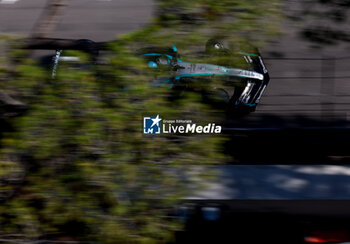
(99, 20)
(278, 182)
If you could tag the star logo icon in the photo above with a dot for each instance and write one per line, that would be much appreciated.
(156, 121)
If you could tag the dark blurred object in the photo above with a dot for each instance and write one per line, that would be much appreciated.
(257, 221)
(324, 22)
(10, 107)
(85, 45)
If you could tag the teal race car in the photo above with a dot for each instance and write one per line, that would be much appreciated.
(242, 89)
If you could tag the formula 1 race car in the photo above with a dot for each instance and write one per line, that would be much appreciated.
(242, 87)
(248, 84)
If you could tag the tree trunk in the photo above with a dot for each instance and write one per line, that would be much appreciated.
(50, 18)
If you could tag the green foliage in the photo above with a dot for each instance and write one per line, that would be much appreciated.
(76, 165)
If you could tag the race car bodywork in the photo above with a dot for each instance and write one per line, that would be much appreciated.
(245, 97)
